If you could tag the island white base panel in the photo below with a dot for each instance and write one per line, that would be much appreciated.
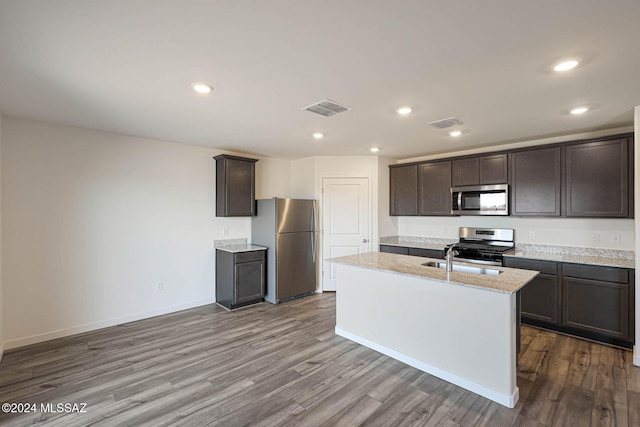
(505, 400)
(461, 334)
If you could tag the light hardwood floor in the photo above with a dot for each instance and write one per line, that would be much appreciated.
(283, 366)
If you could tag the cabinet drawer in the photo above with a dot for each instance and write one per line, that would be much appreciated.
(596, 306)
(594, 272)
(428, 253)
(248, 256)
(402, 250)
(545, 267)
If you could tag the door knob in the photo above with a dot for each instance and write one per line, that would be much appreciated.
(365, 240)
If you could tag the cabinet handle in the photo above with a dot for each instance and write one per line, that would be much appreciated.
(313, 246)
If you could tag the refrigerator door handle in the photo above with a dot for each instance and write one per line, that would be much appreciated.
(313, 246)
(313, 211)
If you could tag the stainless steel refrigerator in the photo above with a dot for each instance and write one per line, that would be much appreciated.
(287, 227)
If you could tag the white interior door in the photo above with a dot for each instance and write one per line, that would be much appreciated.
(345, 222)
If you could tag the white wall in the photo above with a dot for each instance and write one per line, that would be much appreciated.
(1, 287)
(636, 357)
(93, 220)
(387, 225)
(303, 178)
(523, 144)
(273, 178)
(547, 231)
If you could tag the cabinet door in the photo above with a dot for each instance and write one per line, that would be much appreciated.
(596, 306)
(597, 179)
(536, 182)
(466, 172)
(240, 188)
(434, 188)
(540, 298)
(249, 282)
(403, 190)
(235, 186)
(493, 169)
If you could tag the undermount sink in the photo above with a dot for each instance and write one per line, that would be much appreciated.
(463, 268)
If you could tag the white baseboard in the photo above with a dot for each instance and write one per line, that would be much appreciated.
(636, 355)
(504, 399)
(21, 342)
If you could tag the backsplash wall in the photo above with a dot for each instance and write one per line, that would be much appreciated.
(580, 232)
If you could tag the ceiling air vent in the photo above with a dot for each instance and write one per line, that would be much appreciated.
(446, 123)
(326, 108)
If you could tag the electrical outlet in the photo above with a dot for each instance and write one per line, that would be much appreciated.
(160, 286)
(595, 238)
(532, 235)
(225, 231)
(616, 239)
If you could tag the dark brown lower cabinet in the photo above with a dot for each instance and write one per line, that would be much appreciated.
(427, 253)
(240, 278)
(404, 250)
(401, 250)
(597, 299)
(540, 298)
(593, 302)
(596, 306)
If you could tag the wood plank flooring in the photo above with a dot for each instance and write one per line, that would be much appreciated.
(283, 365)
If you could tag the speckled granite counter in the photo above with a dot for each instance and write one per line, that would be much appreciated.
(509, 280)
(417, 242)
(241, 248)
(592, 256)
(236, 245)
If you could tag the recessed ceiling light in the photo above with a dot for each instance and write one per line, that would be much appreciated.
(404, 110)
(374, 149)
(566, 65)
(579, 110)
(202, 87)
(318, 135)
(455, 133)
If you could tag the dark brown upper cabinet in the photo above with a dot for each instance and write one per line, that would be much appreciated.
(403, 190)
(235, 186)
(434, 188)
(597, 179)
(536, 182)
(480, 170)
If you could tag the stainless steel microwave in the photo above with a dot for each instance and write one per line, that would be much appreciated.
(480, 200)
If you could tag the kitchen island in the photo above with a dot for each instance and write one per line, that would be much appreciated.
(460, 327)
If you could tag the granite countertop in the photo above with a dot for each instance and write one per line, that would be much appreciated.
(509, 280)
(417, 242)
(591, 256)
(241, 248)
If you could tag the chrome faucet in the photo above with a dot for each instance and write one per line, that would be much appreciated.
(449, 257)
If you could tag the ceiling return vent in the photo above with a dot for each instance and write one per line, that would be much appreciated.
(446, 123)
(326, 108)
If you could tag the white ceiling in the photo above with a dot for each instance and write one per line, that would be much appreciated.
(126, 66)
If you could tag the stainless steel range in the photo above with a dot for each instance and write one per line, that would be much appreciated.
(483, 245)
